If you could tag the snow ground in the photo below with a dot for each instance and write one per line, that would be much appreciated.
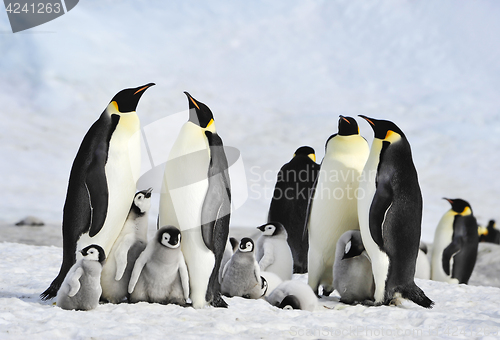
(461, 312)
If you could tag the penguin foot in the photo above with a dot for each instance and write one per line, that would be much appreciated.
(219, 302)
(49, 293)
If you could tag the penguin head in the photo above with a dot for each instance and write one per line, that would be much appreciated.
(142, 201)
(491, 225)
(460, 206)
(272, 229)
(200, 114)
(234, 243)
(290, 302)
(246, 245)
(348, 126)
(263, 286)
(94, 253)
(169, 236)
(384, 129)
(126, 100)
(305, 151)
(353, 247)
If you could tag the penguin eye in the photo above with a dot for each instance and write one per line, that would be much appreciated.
(249, 245)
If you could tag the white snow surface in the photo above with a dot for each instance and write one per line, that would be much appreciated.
(461, 312)
(275, 74)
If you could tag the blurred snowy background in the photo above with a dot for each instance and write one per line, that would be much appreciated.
(276, 76)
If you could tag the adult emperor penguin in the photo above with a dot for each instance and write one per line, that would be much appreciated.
(352, 270)
(102, 182)
(291, 195)
(81, 289)
(333, 208)
(128, 246)
(455, 244)
(241, 275)
(196, 198)
(160, 274)
(390, 215)
(272, 251)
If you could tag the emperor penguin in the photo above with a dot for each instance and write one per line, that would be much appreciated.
(455, 244)
(390, 215)
(102, 182)
(272, 251)
(490, 234)
(291, 195)
(160, 274)
(333, 208)
(293, 294)
(81, 287)
(241, 275)
(127, 248)
(196, 198)
(352, 270)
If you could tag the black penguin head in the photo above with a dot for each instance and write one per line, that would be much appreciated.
(460, 206)
(491, 225)
(94, 252)
(246, 245)
(423, 247)
(353, 247)
(348, 126)
(290, 302)
(127, 100)
(199, 113)
(234, 243)
(305, 151)
(383, 129)
(142, 201)
(272, 229)
(169, 236)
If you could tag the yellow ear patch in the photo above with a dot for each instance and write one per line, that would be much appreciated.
(392, 136)
(115, 105)
(192, 100)
(209, 123)
(312, 156)
(466, 212)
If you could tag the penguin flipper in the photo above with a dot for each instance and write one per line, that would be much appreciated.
(379, 209)
(74, 282)
(454, 247)
(97, 188)
(268, 258)
(138, 266)
(309, 207)
(121, 255)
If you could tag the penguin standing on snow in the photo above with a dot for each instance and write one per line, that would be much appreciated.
(455, 244)
(241, 275)
(352, 270)
(289, 203)
(490, 234)
(102, 182)
(196, 198)
(333, 208)
(272, 251)
(390, 215)
(81, 289)
(160, 274)
(127, 248)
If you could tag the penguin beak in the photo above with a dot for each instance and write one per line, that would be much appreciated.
(344, 118)
(149, 191)
(192, 102)
(369, 120)
(143, 88)
(262, 227)
(449, 200)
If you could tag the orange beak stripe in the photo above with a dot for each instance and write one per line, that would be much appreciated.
(192, 100)
(141, 89)
(346, 120)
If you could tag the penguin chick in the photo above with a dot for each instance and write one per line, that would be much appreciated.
(293, 294)
(272, 280)
(352, 269)
(81, 287)
(160, 273)
(273, 252)
(129, 245)
(241, 275)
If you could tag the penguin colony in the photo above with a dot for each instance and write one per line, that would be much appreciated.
(365, 243)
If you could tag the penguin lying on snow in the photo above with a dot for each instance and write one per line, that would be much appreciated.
(293, 294)
(81, 288)
(455, 244)
(273, 252)
(290, 199)
(390, 215)
(160, 273)
(352, 270)
(127, 248)
(241, 275)
(102, 182)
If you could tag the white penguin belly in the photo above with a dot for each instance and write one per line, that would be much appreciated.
(122, 171)
(379, 259)
(181, 204)
(442, 238)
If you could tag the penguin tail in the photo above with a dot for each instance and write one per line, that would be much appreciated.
(417, 295)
